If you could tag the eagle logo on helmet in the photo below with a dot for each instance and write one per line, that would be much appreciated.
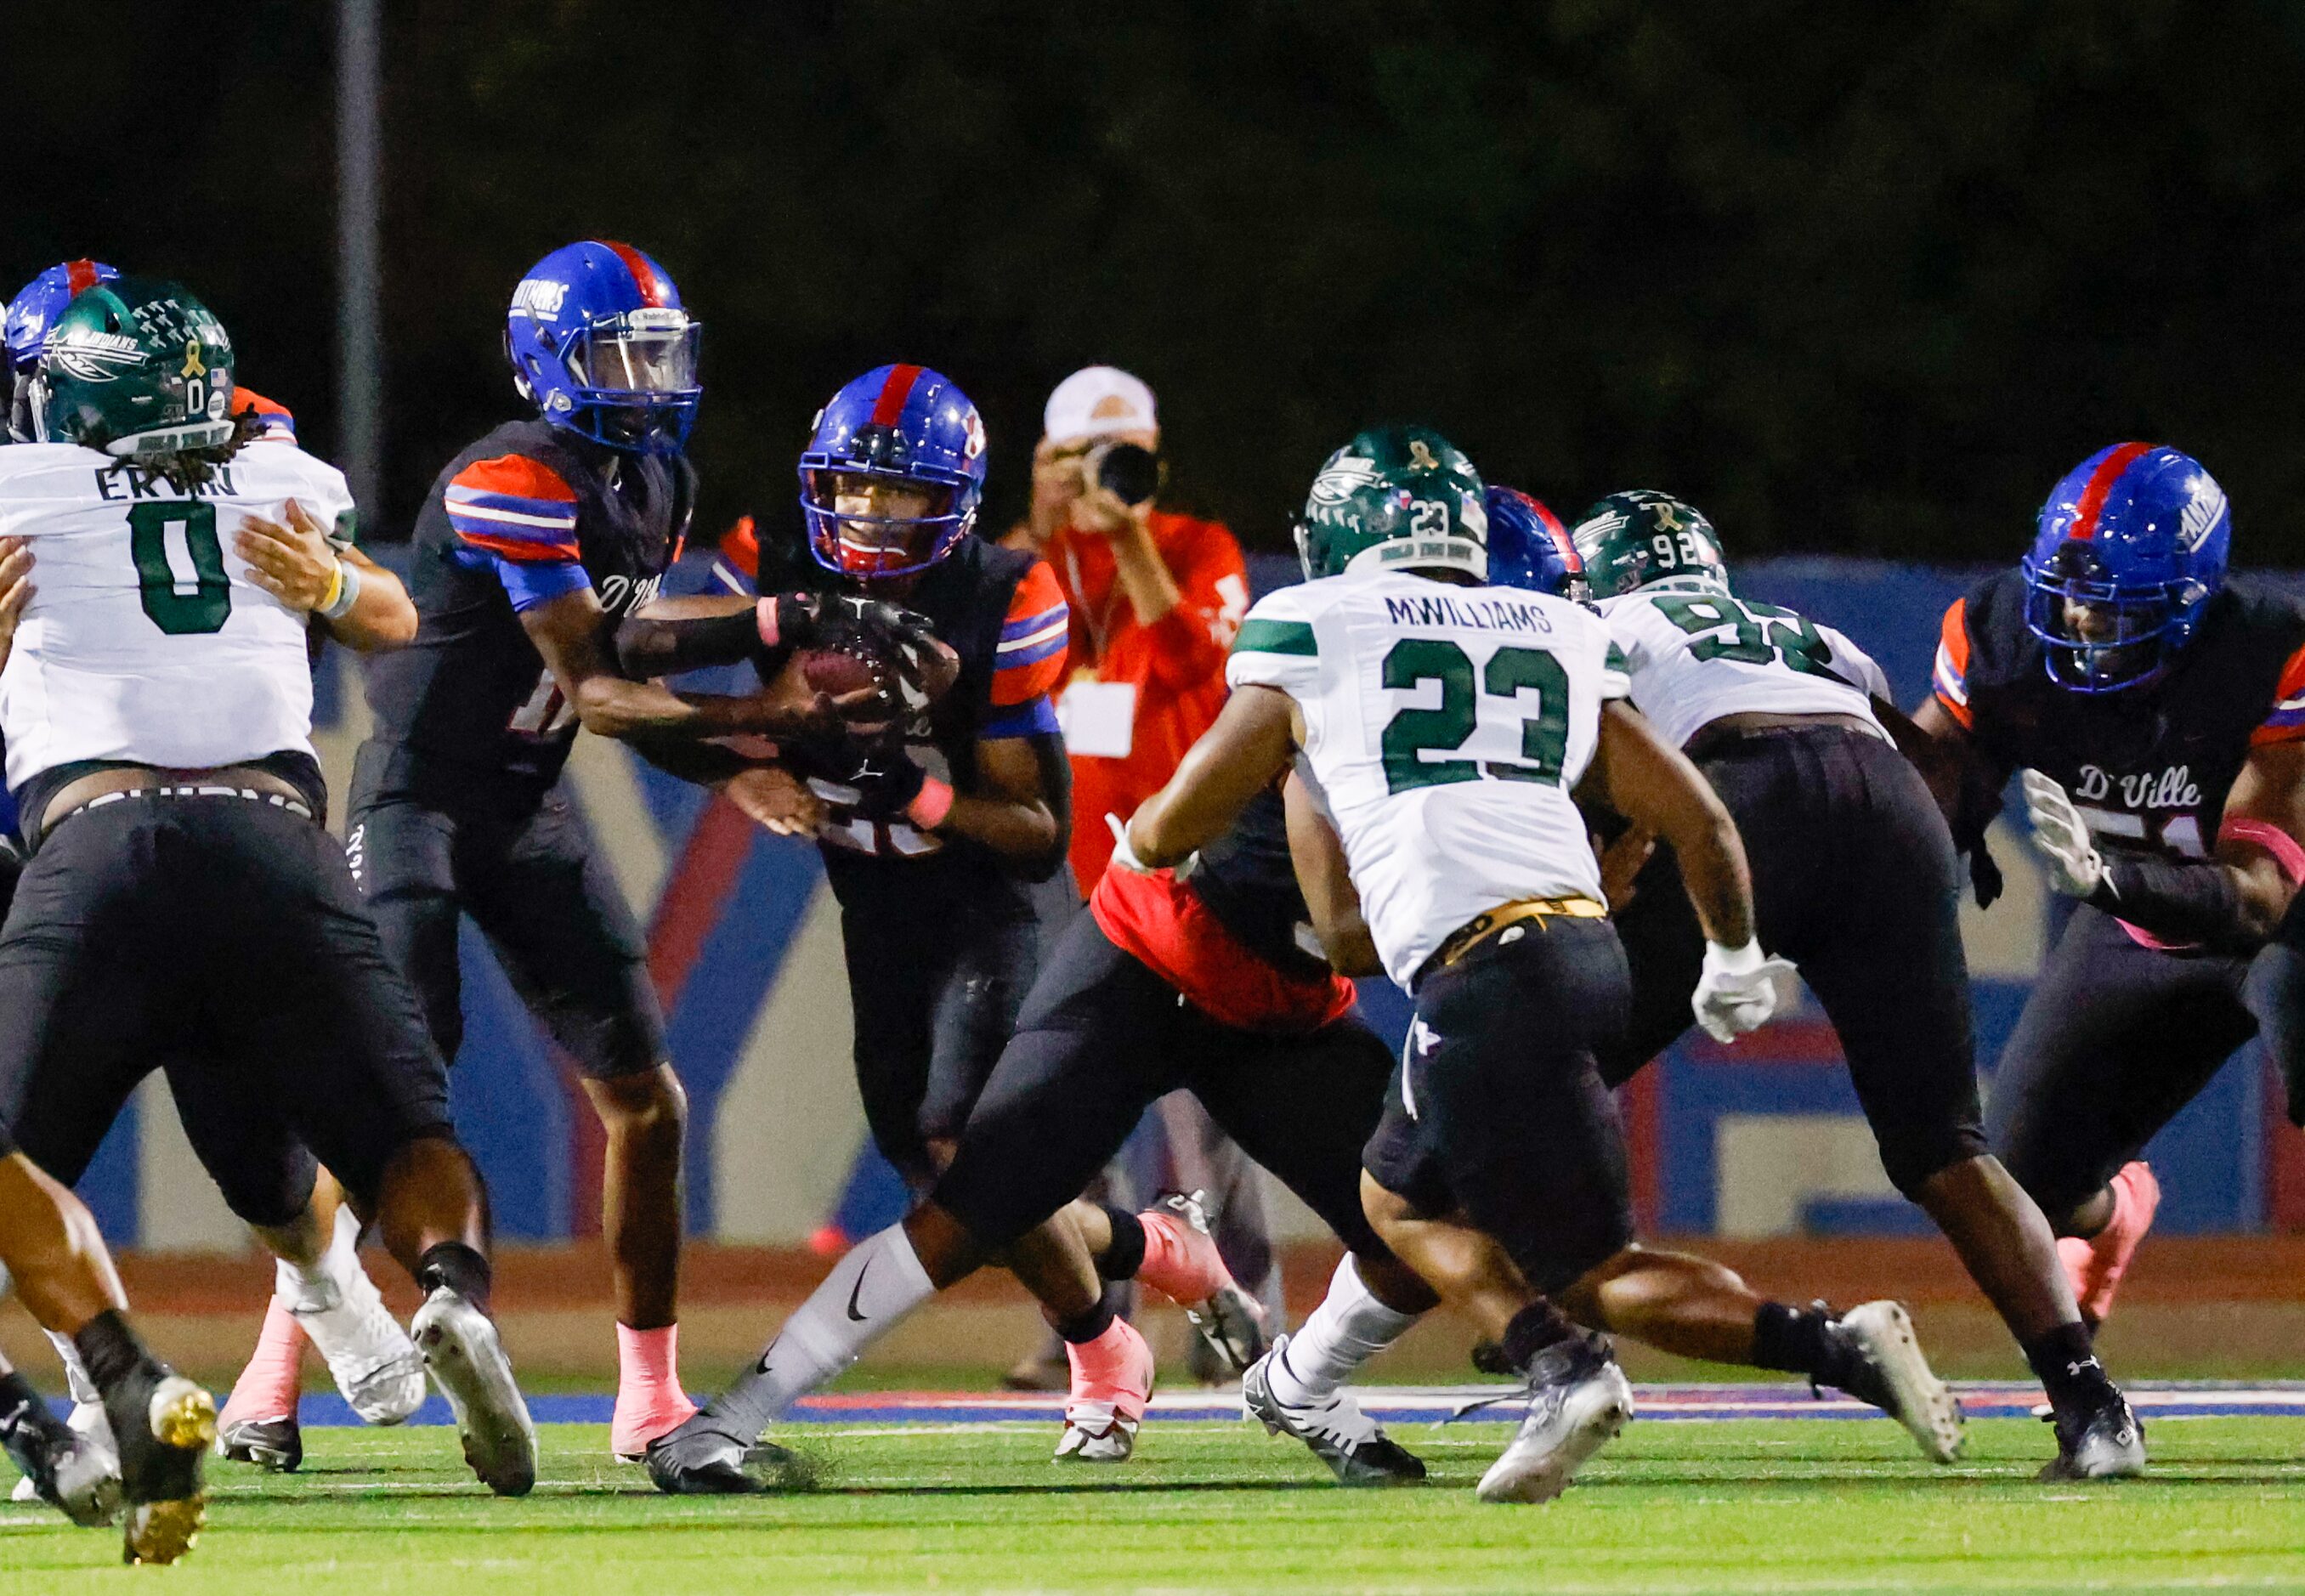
(1342, 477)
(93, 356)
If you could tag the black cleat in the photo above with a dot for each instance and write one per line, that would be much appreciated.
(2105, 1441)
(164, 1425)
(704, 1457)
(72, 1472)
(277, 1445)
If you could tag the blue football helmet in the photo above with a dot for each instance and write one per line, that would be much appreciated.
(600, 344)
(2131, 547)
(903, 424)
(1529, 548)
(24, 328)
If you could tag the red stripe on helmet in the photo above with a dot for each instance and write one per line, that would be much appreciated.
(2100, 485)
(1564, 544)
(645, 276)
(894, 392)
(80, 276)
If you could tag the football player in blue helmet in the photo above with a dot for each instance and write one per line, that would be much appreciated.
(893, 473)
(25, 325)
(601, 343)
(2131, 547)
(2158, 710)
(1529, 548)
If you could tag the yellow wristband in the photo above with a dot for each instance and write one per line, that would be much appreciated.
(336, 589)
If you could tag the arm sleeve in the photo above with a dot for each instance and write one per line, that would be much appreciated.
(1950, 677)
(1189, 642)
(2285, 723)
(1277, 647)
(520, 512)
(1031, 660)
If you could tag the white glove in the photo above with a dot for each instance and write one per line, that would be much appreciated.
(1123, 855)
(1737, 991)
(2062, 837)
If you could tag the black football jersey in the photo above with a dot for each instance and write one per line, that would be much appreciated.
(2150, 766)
(1248, 881)
(1001, 612)
(471, 703)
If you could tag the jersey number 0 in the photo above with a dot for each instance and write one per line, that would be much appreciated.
(171, 608)
(1411, 733)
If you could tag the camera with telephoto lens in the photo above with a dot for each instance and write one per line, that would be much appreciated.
(1130, 472)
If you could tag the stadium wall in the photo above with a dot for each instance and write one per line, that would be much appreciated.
(1759, 1140)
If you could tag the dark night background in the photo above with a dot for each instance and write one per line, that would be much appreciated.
(1856, 279)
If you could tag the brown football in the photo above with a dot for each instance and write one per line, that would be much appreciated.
(838, 671)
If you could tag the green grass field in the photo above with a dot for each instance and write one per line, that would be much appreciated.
(1673, 1506)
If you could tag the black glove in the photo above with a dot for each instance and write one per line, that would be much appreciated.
(1984, 874)
(806, 619)
(882, 775)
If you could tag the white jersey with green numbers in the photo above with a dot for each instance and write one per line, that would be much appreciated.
(1444, 727)
(1695, 652)
(146, 641)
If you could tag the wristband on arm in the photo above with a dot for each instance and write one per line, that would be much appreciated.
(344, 592)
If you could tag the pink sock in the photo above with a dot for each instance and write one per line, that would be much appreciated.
(268, 1387)
(1112, 1377)
(650, 1401)
(1180, 1263)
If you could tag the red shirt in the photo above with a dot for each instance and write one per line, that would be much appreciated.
(1176, 665)
(1162, 923)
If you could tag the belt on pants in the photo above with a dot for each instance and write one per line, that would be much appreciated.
(294, 806)
(1483, 926)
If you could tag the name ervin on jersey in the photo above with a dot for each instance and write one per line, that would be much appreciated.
(119, 484)
(1481, 615)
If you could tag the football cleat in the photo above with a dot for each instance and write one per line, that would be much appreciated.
(704, 1457)
(277, 1445)
(1885, 1367)
(1112, 1381)
(1229, 1320)
(374, 1363)
(467, 1360)
(72, 1471)
(164, 1424)
(2104, 1442)
(1353, 1445)
(1579, 1400)
(89, 1422)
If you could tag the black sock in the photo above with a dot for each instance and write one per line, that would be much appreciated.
(110, 1349)
(459, 1267)
(1125, 1256)
(19, 1402)
(1792, 1340)
(1089, 1326)
(2065, 1361)
(1531, 1330)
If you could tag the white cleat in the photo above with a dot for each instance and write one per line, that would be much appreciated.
(1579, 1400)
(1088, 1441)
(467, 1359)
(1901, 1382)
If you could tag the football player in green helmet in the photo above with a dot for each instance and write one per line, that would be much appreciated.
(1395, 498)
(1632, 539)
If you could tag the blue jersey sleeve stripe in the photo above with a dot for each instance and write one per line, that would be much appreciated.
(509, 509)
(1022, 720)
(1025, 625)
(1015, 657)
(531, 582)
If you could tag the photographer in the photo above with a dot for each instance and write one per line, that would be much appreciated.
(1155, 598)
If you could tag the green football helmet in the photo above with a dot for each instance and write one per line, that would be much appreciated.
(1632, 539)
(134, 368)
(1394, 499)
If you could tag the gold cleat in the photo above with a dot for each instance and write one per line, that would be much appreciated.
(183, 1421)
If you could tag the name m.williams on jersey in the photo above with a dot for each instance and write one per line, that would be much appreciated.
(1488, 611)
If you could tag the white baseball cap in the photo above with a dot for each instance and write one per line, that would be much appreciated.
(1097, 401)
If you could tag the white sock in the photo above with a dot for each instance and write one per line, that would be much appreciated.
(879, 1283)
(314, 1286)
(1348, 1328)
(76, 1375)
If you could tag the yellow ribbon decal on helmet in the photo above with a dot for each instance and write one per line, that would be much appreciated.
(192, 364)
